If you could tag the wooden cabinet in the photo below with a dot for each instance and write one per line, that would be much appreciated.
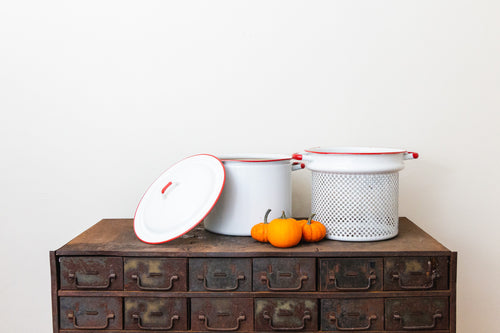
(106, 279)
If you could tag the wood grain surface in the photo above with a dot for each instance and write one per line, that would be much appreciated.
(117, 237)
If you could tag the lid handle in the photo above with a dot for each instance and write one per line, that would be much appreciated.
(166, 187)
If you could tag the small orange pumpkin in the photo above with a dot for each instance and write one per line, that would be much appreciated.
(284, 232)
(260, 230)
(313, 231)
(302, 223)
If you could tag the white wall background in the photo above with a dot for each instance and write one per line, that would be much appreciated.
(98, 97)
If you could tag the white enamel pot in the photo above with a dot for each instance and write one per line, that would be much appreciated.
(354, 190)
(355, 159)
(254, 184)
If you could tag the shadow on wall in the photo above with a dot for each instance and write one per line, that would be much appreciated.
(301, 193)
(425, 189)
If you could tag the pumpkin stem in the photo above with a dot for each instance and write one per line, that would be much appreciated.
(265, 216)
(283, 216)
(310, 218)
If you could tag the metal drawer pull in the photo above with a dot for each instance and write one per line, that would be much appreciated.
(72, 316)
(241, 317)
(140, 286)
(307, 316)
(371, 281)
(427, 284)
(111, 276)
(333, 318)
(435, 317)
(238, 279)
(264, 278)
(142, 327)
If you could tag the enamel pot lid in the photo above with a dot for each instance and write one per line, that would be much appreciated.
(179, 199)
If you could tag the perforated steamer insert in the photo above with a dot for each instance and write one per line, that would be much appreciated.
(355, 190)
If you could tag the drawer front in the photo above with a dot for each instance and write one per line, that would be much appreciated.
(91, 273)
(416, 313)
(221, 314)
(352, 314)
(221, 274)
(416, 273)
(90, 313)
(284, 274)
(155, 313)
(351, 274)
(155, 274)
(286, 314)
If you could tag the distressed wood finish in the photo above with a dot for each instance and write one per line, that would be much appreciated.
(155, 274)
(155, 313)
(416, 313)
(416, 273)
(284, 274)
(357, 314)
(220, 274)
(116, 237)
(106, 279)
(286, 314)
(351, 274)
(91, 313)
(91, 273)
(222, 314)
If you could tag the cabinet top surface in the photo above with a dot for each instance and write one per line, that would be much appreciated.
(117, 237)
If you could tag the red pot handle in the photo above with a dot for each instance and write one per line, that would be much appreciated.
(409, 155)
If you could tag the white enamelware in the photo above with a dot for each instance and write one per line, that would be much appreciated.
(254, 184)
(179, 199)
(355, 159)
(354, 190)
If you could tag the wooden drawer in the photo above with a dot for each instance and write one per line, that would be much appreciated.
(286, 314)
(416, 273)
(351, 274)
(284, 274)
(91, 273)
(90, 313)
(416, 313)
(355, 314)
(222, 314)
(220, 274)
(153, 313)
(155, 274)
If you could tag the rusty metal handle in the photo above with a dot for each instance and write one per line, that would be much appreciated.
(339, 328)
(204, 318)
(307, 316)
(140, 286)
(371, 280)
(72, 316)
(238, 279)
(79, 286)
(264, 278)
(435, 317)
(164, 328)
(427, 284)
